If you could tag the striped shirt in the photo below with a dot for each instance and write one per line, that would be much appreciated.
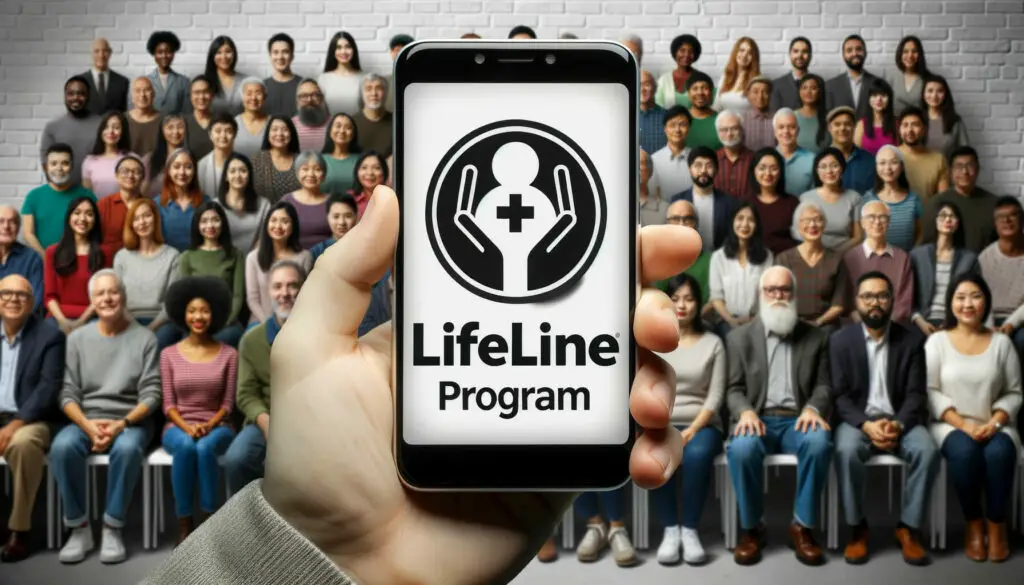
(758, 132)
(903, 218)
(942, 273)
(310, 137)
(734, 177)
(198, 390)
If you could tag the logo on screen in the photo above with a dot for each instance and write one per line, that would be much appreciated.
(516, 212)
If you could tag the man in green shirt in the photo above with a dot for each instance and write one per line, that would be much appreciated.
(243, 461)
(976, 205)
(683, 213)
(703, 132)
(42, 213)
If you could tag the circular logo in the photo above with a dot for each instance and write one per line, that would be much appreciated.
(516, 212)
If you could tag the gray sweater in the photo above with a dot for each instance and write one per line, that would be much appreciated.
(146, 279)
(108, 376)
(700, 380)
(78, 133)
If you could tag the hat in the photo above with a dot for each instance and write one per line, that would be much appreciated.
(840, 110)
(759, 79)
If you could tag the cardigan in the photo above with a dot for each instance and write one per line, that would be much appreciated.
(922, 262)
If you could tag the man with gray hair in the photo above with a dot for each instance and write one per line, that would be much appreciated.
(17, 258)
(373, 122)
(313, 116)
(799, 161)
(111, 387)
(635, 44)
(734, 158)
(243, 461)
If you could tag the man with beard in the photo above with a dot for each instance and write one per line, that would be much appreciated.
(799, 161)
(395, 46)
(700, 90)
(881, 396)
(311, 121)
(975, 203)
(682, 213)
(851, 88)
(785, 90)
(734, 158)
(373, 122)
(17, 258)
(44, 207)
(714, 207)
(652, 116)
(170, 88)
(877, 255)
(243, 461)
(860, 164)
(778, 395)
(109, 89)
(283, 84)
(77, 128)
(926, 168)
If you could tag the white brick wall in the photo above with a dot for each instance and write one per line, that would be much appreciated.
(977, 44)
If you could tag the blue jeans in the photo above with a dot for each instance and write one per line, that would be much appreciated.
(981, 467)
(192, 457)
(68, 454)
(746, 455)
(586, 505)
(166, 334)
(699, 463)
(230, 334)
(243, 461)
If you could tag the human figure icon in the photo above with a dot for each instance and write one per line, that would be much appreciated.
(515, 217)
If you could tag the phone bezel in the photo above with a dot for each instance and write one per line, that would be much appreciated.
(514, 467)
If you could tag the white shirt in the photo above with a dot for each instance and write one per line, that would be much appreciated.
(704, 205)
(855, 83)
(96, 75)
(879, 403)
(671, 175)
(869, 251)
(735, 284)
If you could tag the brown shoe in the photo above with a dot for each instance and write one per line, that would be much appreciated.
(857, 549)
(548, 552)
(184, 529)
(807, 550)
(998, 547)
(17, 548)
(913, 552)
(974, 541)
(748, 551)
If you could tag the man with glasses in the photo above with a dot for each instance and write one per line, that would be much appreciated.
(77, 127)
(714, 207)
(881, 397)
(311, 121)
(876, 255)
(1002, 266)
(31, 373)
(113, 208)
(682, 213)
(778, 392)
(734, 158)
(17, 258)
(976, 205)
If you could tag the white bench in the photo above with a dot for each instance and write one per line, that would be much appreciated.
(153, 519)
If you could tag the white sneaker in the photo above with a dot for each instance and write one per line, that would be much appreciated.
(668, 551)
(622, 548)
(78, 545)
(593, 543)
(693, 550)
(111, 546)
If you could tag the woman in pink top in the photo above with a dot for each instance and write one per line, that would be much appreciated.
(879, 127)
(199, 376)
(371, 170)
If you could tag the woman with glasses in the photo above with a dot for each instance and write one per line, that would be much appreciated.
(937, 265)
(736, 270)
(839, 203)
(893, 189)
(819, 271)
(774, 205)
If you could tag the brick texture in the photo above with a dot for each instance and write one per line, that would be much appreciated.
(976, 44)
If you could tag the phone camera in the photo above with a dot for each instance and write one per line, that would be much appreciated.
(550, 59)
(479, 58)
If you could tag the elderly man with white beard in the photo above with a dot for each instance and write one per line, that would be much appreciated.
(778, 396)
(373, 122)
(313, 116)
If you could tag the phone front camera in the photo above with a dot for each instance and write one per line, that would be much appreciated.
(550, 59)
(479, 58)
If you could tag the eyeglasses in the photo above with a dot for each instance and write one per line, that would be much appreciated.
(305, 97)
(876, 218)
(875, 298)
(811, 221)
(777, 292)
(945, 215)
(130, 172)
(687, 220)
(9, 295)
(677, 125)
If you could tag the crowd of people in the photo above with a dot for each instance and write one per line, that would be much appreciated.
(843, 305)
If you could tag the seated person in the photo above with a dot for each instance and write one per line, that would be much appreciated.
(875, 254)
(1002, 265)
(243, 461)
(819, 270)
(881, 399)
(17, 258)
(279, 240)
(683, 213)
(699, 362)
(974, 392)
(111, 387)
(936, 265)
(598, 534)
(70, 263)
(342, 216)
(891, 187)
(837, 201)
(736, 269)
(28, 403)
(45, 207)
(198, 375)
(778, 397)
(114, 207)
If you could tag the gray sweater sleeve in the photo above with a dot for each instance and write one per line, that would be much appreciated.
(71, 391)
(149, 381)
(172, 277)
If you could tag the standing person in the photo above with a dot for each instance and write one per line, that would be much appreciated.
(251, 125)
(821, 297)
(18, 258)
(172, 136)
(342, 216)
(700, 89)
(340, 80)
(171, 88)
(113, 208)
(278, 240)
(785, 89)
(758, 132)
(799, 161)
(370, 171)
(926, 169)
(210, 170)
(395, 46)
(743, 65)
(651, 115)
(373, 121)
(45, 206)
(840, 204)
(340, 150)
(283, 84)
(892, 188)
(179, 199)
(143, 119)
(879, 128)
(907, 81)
(109, 89)
(273, 166)
(312, 117)
(673, 86)
(70, 264)
(813, 136)
(197, 122)
(937, 265)
(975, 202)
(245, 209)
(776, 207)
(946, 129)
(851, 87)
(221, 62)
(76, 129)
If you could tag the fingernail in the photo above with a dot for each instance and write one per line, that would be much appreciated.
(664, 457)
(666, 394)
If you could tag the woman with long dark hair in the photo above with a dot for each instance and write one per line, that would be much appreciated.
(810, 117)
(342, 76)
(70, 263)
(879, 128)
(939, 264)
(370, 171)
(113, 142)
(245, 209)
(173, 135)
(278, 240)
(274, 165)
(179, 198)
(893, 189)
(946, 129)
(735, 270)
(221, 60)
(907, 81)
(774, 205)
(341, 149)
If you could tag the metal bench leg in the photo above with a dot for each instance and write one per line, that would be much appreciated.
(568, 528)
(50, 541)
(91, 471)
(147, 507)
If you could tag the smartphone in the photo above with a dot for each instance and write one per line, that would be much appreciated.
(516, 266)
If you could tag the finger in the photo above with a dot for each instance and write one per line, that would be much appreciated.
(666, 250)
(655, 457)
(655, 326)
(342, 281)
(654, 392)
(761, 429)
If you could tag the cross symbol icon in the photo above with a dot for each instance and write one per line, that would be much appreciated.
(515, 213)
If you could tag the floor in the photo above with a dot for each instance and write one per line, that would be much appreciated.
(886, 567)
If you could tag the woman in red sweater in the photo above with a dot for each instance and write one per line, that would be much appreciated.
(71, 262)
(199, 375)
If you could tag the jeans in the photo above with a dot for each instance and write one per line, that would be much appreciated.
(586, 505)
(699, 462)
(916, 448)
(68, 455)
(230, 334)
(194, 457)
(981, 467)
(746, 455)
(166, 334)
(243, 461)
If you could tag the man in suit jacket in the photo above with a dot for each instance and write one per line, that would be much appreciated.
(881, 399)
(31, 373)
(785, 92)
(714, 207)
(851, 88)
(108, 90)
(778, 395)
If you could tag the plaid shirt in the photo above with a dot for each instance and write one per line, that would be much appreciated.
(652, 129)
(757, 130)
(734, 177)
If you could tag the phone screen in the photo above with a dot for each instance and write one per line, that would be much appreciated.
(516, 263)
